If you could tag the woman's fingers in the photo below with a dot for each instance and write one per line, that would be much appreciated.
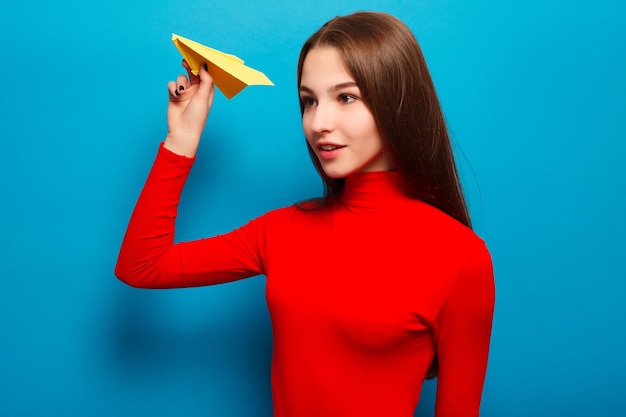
(177, 88)
(182, 83)
(172, 88)
(193, 79)
(200, 85)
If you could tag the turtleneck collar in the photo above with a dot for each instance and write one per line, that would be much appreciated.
(374, 189)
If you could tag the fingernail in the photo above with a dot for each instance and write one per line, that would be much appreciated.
(176, 92)
(181, 88)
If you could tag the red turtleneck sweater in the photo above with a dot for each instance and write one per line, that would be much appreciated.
(362, 292)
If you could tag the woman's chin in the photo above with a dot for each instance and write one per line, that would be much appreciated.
(334, 174)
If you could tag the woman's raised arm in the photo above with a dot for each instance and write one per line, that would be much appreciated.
(149, 258)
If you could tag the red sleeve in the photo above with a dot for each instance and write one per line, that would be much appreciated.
(149, 258)
(462, 335)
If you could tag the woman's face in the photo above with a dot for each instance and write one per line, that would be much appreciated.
(337, 124)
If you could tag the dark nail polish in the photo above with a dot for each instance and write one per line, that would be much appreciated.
(181, 88)
(176, 92)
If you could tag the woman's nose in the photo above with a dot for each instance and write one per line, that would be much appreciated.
(322, 118)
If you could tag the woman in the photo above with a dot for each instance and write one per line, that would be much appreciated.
(372, 285)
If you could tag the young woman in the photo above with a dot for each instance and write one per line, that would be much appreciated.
(377, 282)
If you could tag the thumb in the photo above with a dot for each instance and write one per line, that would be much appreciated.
(206, 86)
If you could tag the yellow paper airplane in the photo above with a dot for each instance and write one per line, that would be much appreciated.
(229, 73)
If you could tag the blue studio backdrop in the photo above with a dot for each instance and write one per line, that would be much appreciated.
(535, 96)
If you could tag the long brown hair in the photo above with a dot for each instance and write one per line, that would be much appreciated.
(383, 56)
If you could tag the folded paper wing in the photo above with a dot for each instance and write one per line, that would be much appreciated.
(229, 73)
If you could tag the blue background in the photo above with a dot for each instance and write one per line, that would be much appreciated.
(535, 96)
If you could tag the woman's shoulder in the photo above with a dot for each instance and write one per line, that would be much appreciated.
(440, 226)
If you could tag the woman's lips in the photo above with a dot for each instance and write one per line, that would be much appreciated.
(330, 151)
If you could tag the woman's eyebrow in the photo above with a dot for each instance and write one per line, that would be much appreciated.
(305, 89)
(343, 85)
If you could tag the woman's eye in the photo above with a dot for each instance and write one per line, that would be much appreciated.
(347, 98)
(307, 102)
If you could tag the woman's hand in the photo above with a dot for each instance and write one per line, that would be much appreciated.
(190, 101)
